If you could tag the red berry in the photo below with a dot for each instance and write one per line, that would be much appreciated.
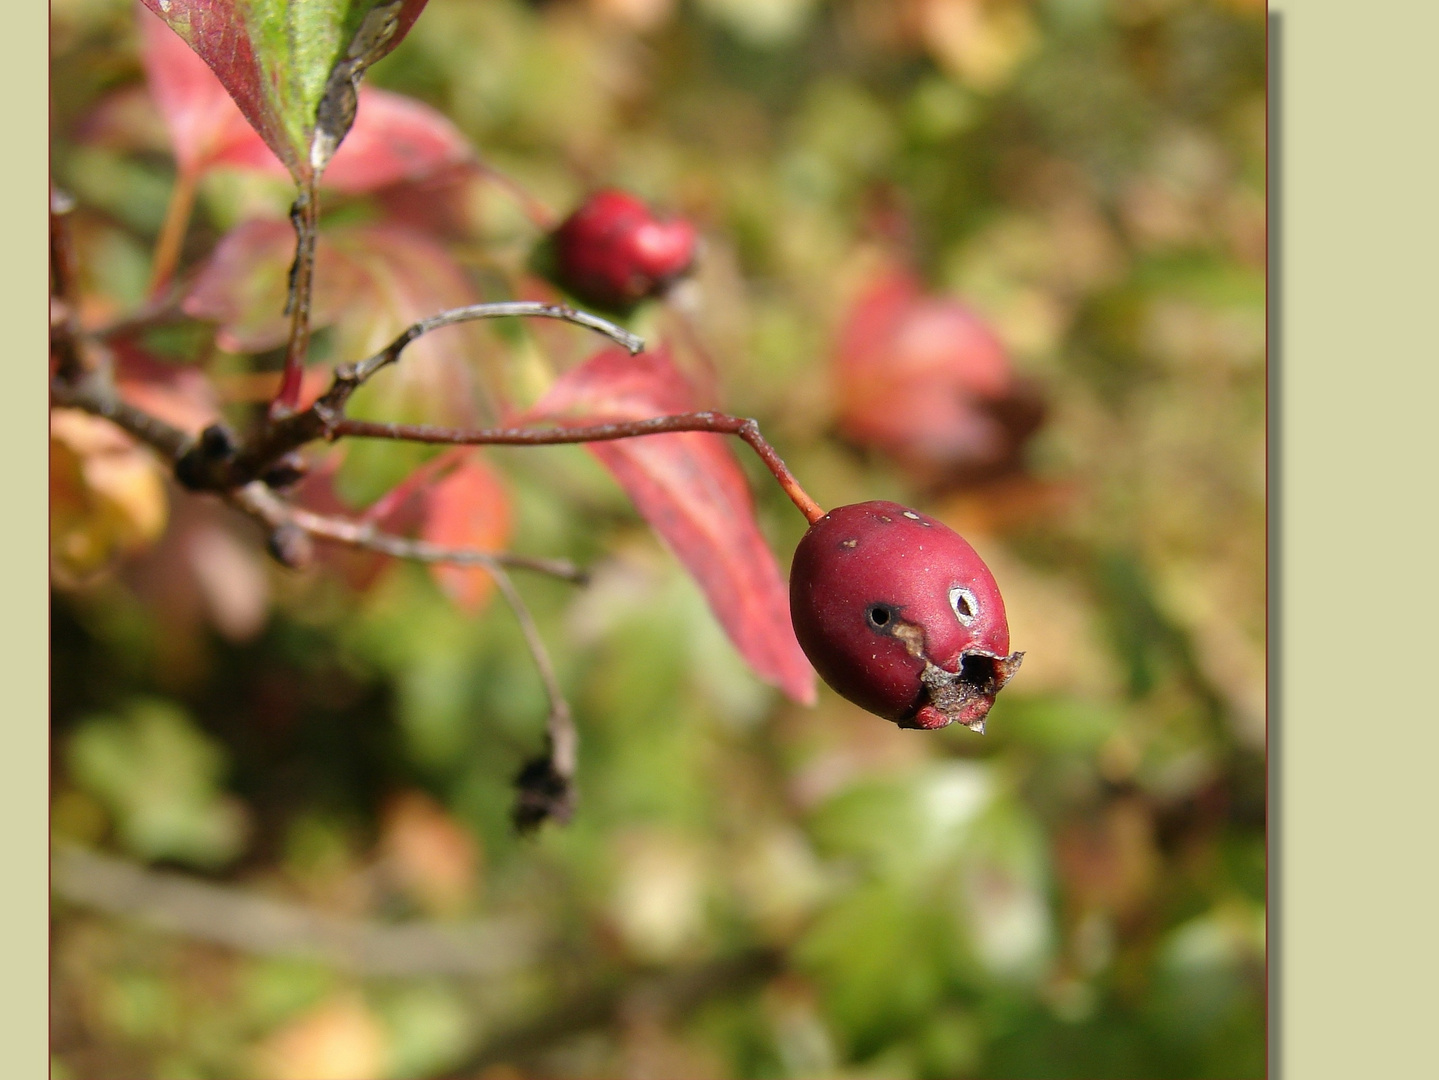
(612, 252)
(899, 615)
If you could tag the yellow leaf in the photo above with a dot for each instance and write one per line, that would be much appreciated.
(107, 494)
(980, 41)
(339, 1040)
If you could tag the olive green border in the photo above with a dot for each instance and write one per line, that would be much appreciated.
(24, 559)
(1354, 388)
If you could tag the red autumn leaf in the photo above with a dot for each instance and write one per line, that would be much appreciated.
(454, 500)
(441, 203)
(277, 63)
(911, 371)
(244, 282)
(690, 488)
(178, 394)
(402, 509)
(401, 512)
(468, 509)
(205, 125)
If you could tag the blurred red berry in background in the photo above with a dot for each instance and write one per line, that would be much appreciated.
(613, 252)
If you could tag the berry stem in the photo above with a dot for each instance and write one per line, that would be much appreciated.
(716, 423)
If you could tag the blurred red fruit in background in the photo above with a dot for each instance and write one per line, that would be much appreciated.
(924, 380)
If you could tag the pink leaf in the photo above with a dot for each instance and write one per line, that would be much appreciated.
(454, 500)
(243, 285)
(217, 33)
(372, 282)
(395, 139)
(178, 394)
(205, 125)
(440, 203)
(399, 515)
(689, 487)
(468, 509)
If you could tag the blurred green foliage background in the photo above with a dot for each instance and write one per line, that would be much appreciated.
(750, 888)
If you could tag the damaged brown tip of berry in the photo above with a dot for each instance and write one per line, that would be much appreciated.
(962, 697)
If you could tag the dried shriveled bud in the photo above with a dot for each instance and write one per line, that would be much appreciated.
(292, 546)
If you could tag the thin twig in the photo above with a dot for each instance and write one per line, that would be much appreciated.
(325, 418)
(546, 784)
(305, 216)
(71, 362)
(365, 369)
(559, 718)
(716, 423)
(96, 395)
(260, 502)
(265, 926)
(63, 269)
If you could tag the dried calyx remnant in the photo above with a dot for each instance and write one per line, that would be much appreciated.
(963, 697)
(899, 614)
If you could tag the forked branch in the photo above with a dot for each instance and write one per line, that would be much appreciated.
(234, 463)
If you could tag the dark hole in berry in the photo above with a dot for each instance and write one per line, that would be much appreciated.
(879, 615)
(981, 672)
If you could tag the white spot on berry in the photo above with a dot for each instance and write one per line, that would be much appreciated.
(911, 515)
(965, 606)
